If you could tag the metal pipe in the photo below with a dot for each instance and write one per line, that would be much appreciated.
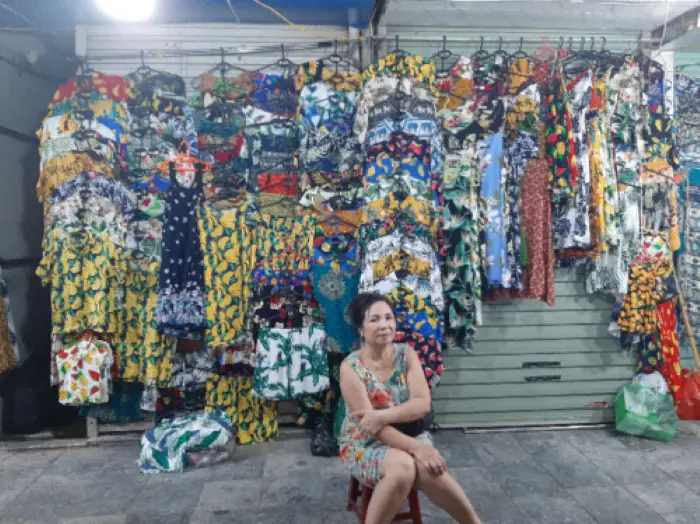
(511, 429)
(274, 48)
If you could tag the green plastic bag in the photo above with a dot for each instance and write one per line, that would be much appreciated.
(339, 417)
(644, 412)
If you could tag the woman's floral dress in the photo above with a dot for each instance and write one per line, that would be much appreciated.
(362, 454)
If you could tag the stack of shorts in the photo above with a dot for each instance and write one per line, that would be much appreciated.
(220, 131)
(271, 144)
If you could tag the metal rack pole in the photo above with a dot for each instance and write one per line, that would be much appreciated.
(323, 44)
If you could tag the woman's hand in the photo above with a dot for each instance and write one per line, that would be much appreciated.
(371, 421)
(430, 457)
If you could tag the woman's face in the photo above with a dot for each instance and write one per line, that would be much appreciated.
(379, 326)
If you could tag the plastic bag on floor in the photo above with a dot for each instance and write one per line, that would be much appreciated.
(689, 403)
(210, 457)
(643, 412)
(323, 443)
(653, 380)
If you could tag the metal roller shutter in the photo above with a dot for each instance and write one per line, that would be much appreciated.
(531, 364)
(536, 365)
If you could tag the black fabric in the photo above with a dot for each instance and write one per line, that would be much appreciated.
(415, 428)
(323, 444)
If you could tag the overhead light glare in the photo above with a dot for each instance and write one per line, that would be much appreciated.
(128, 10)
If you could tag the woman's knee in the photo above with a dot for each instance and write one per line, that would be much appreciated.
(399, 466)
(424, 477)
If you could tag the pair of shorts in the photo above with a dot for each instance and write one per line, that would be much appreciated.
(291, 362)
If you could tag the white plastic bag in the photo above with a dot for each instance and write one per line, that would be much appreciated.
(653, 380)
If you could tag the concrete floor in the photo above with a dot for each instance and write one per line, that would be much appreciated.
(557, 477)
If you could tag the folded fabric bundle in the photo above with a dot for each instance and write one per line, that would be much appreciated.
(165, 447)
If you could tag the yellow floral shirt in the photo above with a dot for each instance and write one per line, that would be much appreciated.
(286, 244)
(85, 271)
(142, 353)
(254, 418)
(422, 69)
(229, 257)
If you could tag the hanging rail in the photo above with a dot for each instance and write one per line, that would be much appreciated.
(329, 44)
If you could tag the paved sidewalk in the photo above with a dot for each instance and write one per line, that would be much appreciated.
(557, 477)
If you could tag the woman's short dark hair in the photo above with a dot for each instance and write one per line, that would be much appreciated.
(360, 305)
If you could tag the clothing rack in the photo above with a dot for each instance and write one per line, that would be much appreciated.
(563, 41)
(350, 47)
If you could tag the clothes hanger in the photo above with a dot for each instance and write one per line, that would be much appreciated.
(397, 51)
(519, 53)
(442, 55)
(284, 63)
(222, 87)
(576, 61)
(337, 60)
(84, 79)
(185, 158)
(481, 54)
(143, 69)
(500, 52)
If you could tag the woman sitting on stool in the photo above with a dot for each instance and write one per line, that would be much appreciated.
(383, 385)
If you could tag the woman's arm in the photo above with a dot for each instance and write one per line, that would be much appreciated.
(418, 404)
(357, 401)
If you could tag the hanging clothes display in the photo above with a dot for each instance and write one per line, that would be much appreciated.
(400, 234)
(202, 254)
(181, 298)
(461, 271)
(9, 352)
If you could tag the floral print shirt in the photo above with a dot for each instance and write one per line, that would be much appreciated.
(84, 367)
(494, 252)
(141, 352)
(9, 352)
(399, 261)
(228, 245)
(560, 150)
(85, 270)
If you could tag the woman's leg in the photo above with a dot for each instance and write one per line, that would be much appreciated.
(397, 478)
(445, 491)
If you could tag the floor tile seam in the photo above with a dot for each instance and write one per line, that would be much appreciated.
(624, 486)
(647, 462)
(634, 497)
(542, 470)
(585, 508)
(30, 484)
(570, 496)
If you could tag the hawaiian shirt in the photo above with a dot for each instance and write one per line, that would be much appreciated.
(324, 71)
(141, 352)
(400, 261)
(85, 270)
(84, 367)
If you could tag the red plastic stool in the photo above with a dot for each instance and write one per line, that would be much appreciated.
(413, 514)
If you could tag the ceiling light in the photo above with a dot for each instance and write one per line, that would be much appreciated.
(128, 10)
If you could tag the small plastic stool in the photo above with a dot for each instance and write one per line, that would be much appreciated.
(413, 514)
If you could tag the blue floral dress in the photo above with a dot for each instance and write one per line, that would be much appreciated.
(181, 297)
(362, 454)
